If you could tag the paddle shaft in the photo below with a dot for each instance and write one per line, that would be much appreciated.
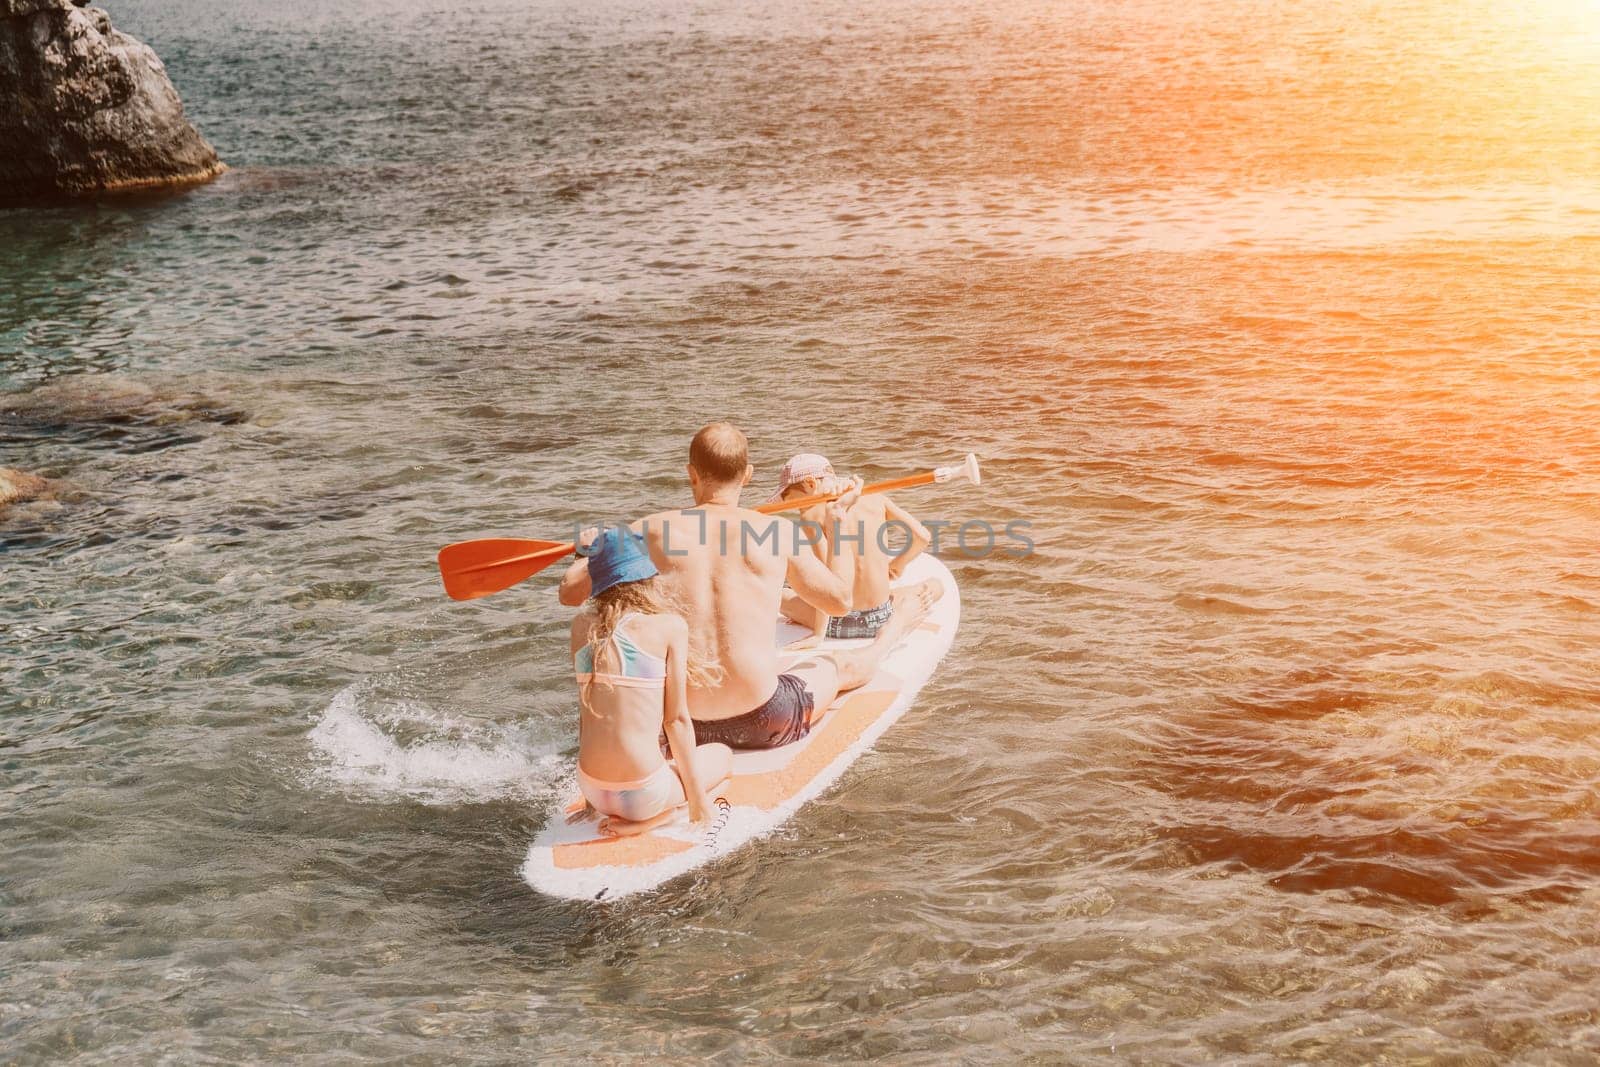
(549, 555)
(800, 503)
(477, 568)
(557, 551)
(766, 509)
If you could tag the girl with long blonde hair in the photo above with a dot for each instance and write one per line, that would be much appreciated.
(630, 656)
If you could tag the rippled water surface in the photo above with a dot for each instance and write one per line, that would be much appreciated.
(1279, 322)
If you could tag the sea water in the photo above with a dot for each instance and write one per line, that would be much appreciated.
(1278, 323)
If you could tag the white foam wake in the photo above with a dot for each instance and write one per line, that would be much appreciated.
(402, 749)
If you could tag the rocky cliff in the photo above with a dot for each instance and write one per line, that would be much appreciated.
(86, 109)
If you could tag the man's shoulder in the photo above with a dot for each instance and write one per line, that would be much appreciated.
(653, 524)
(760, 520)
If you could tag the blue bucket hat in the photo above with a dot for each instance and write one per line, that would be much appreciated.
(618, 555)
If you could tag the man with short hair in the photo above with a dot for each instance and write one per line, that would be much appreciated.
(724, 566)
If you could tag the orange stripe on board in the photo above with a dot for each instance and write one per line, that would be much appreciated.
(838, 730)
(617, 852)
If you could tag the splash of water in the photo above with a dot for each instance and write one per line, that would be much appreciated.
(399, 749)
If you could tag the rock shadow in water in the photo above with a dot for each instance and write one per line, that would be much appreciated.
(107, 411)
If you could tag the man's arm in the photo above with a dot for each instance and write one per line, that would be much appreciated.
(828, 587)
(819, 585)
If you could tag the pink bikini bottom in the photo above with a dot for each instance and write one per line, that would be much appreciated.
(635, 801)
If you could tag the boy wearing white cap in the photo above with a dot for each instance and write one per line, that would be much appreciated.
(863, 535)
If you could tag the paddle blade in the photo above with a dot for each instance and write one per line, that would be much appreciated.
(966, 470)
(471, 569)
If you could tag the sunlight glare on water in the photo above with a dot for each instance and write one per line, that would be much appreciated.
(1277, 322)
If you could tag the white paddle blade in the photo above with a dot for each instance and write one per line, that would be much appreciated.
(966, 470)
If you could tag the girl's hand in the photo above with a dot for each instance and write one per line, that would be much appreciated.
(699, 811)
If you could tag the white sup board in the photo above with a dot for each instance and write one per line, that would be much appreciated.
(576, 861)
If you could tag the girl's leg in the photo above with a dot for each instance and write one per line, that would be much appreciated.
(614, 826)
(713, 763)
(633, 811)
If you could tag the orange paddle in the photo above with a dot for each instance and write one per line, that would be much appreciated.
(471, 569)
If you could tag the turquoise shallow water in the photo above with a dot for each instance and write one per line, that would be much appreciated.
(1278, 326)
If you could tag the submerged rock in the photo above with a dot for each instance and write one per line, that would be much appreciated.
(108, 400)
(86, 109)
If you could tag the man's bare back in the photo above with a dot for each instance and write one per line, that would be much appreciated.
(724, 568)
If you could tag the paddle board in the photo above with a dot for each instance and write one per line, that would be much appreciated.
(573, 860)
